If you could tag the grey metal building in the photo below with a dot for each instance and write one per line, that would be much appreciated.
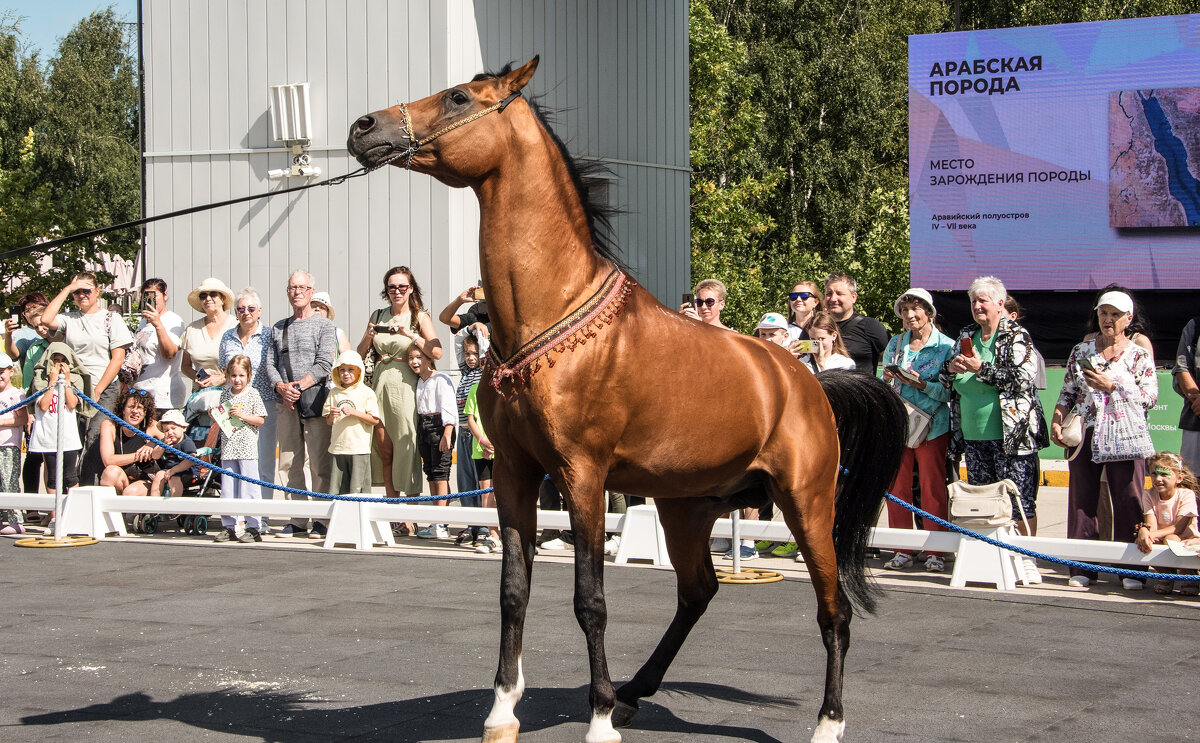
(616, 72)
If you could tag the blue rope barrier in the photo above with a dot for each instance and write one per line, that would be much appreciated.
(24, 401)
(1122, 572)
(262, 484)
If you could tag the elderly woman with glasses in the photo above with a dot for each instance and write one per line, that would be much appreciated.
(390, 331)
(201, 342)
(250, 338)
(99, 340)
(1110, 383)
(995, 416)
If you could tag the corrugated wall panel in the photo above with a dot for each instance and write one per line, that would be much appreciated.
(614, 71)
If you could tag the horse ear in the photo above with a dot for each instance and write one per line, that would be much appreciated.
(518, 78)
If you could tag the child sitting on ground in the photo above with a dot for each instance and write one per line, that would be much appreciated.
(174, 471)
(1169, 512)
(437, 417)
(12, 425)
(483, 452)
(241, 411)
(353, 411)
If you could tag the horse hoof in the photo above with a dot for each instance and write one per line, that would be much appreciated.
(829, 730)
(622, 714)
(502, 733)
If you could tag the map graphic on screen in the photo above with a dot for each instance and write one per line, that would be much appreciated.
(1154, 148)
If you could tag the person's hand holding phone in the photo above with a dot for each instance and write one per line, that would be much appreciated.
(688, 306)
(966, 362)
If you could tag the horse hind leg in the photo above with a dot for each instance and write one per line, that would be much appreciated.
(686, 528)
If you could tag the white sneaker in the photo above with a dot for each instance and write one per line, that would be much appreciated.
(899, 561)
(720, 545)
(934, 564)
(612, 545)
(1132, 584)
(1079, 581)
(1032, 574)
(554, 545)
(441, 532)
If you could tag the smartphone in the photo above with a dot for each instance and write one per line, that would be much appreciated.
(965, 347)
(1086, 363)
(688, 299)
(201, 374)
(383, 328)
(803, 347)
(894, 369)
(478, 294)
(148, 301)
(14, 314)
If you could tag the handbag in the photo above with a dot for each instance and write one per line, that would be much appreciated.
(919, 423)
(312, 400)
(982, 506)
(1072, 433)
(131, 367)
(1121, 432)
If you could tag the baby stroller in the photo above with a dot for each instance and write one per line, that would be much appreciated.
(197, 481)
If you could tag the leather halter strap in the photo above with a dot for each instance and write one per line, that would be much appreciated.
(414, 144)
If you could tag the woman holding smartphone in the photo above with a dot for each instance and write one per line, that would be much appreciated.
(1110, 382)
(912, 364)
(995, 416)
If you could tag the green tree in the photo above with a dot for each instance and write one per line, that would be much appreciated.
(729, 189)
(22, 86)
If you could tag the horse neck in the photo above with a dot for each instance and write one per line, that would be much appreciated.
(535, 248)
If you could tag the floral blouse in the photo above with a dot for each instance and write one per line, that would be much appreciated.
(1132, 372)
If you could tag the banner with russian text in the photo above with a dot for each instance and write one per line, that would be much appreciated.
(1057, 157)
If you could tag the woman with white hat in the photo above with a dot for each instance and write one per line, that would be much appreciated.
(912, 365)
(201, 342)
(322, 304)
(1110, 383)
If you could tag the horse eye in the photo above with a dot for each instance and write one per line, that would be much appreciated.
(459, 97)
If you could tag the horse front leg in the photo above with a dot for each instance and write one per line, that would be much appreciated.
(586, 501)
(516, 504)
(686, 528)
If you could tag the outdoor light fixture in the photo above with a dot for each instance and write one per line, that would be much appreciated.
(291, 123)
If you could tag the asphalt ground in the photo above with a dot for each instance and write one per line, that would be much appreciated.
(131, 640)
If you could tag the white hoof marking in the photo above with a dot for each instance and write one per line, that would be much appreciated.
(829, 731)
(506, 701)
(601, 730)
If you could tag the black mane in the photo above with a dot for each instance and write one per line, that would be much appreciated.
(587, 178)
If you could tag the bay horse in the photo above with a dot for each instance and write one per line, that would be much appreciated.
(597, 384)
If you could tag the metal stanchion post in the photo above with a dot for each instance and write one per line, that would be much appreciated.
(737, 540)
(60, 389)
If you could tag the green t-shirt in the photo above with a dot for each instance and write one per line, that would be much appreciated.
(471, 408)
(979, 402)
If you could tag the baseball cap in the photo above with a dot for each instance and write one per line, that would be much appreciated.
(173, 416)
(1120, 300)
(5, 361)
(772, 320)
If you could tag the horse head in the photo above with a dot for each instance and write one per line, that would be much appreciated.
(411, 134)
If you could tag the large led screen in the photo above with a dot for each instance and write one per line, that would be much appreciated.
(1057, 157)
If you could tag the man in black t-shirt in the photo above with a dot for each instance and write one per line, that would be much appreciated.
(865, 337)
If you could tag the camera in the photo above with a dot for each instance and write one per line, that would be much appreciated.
(383, 328)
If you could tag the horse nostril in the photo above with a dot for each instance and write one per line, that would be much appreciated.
(365, 123)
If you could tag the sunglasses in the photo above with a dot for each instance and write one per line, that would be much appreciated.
(82, 292)
(792, 297)
(246, 310)
(139, 392)
(209, 295)
(398, 288)
(705, 302)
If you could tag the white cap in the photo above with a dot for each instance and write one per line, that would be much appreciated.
(173, 416)
(1119, 300)
(322, 298)
(920, 294)
(772, 320)
(5, 361)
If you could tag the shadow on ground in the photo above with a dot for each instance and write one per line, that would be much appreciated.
(287, 717)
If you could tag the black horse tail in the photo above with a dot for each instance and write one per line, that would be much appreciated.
(871, 426)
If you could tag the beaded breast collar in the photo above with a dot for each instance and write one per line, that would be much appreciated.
(573, 330)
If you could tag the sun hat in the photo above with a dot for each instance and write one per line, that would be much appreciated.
(920, 294)
(772, 320)
(322, 298)
(5, 361)
(1119, 300)
(210, 285)
(173, 416)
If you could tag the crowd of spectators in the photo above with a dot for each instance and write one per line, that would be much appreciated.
(293, 403)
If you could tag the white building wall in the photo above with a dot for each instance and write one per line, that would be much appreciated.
(615, 70)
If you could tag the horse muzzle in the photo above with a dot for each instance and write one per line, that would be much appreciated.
(372, 142)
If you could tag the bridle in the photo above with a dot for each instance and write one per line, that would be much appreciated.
(406, 130)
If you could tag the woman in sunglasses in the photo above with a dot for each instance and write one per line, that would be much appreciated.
(804, 300)
(201, 342)
(708, 299)
(99, 340)
(390, 331)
